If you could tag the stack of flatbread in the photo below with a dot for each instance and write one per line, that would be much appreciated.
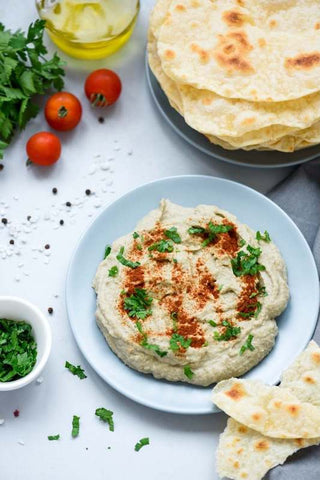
(268, 424)
(245, 73)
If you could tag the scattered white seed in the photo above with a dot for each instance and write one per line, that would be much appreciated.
(39, 380)
(21, 442)
(130, 152)
(20, 265)
(92, 170)
(17, 278)
(1, 421)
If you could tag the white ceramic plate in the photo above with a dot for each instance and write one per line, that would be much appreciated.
(296, 324)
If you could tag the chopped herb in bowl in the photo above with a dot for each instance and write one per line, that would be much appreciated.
(18, 349)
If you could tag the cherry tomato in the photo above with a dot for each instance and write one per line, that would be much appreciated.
(102, 87)
(63, 111)
(43, 148)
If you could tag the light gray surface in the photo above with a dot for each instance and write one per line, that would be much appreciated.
(179, 445)
(299, 196)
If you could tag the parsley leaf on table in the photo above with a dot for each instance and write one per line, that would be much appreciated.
(24, 72)
(76, 370)
(75, 426)
(142, 443)
(106, 416)
(54, 437)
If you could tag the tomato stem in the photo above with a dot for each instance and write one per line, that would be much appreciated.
(28, 162)
(62, 112)
(98, 100)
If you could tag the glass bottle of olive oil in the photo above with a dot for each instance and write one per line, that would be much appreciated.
(89, 29)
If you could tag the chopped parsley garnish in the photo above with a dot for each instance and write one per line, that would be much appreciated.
(196, 230)
(211, 232)
(178, 341)
(76, 370)
(173, 234)
(150, 346)
(18, 349)
(247, 345)
(107, 252)
(255, 309)
(212, 323)
(155, 348)
(135, 235)
(75, 426)
(174, 318)
(137, 305)
(264, 237)
(188, 372)
(113, 272)
(261, 292)
(247, 263)
(175, 260)
(242, 242)
(162, 246)
(106, 416)
(139, 328)
(142, 443)
(54, 437)
(230, 332)
(124, 261)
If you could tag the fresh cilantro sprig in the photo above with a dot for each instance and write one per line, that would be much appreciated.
(247, 345)
(264, 237)
(247, 263)
(124, 261)
(138, 304)
(106, 416)
(18, 350)
(178, 341)
(173, 234)
(76, 370)
(142, 443)
(24, 72)
(229, 332)
(210, 232)
(162, 246)
(75, 426)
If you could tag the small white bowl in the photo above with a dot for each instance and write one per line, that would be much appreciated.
(14, 308)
